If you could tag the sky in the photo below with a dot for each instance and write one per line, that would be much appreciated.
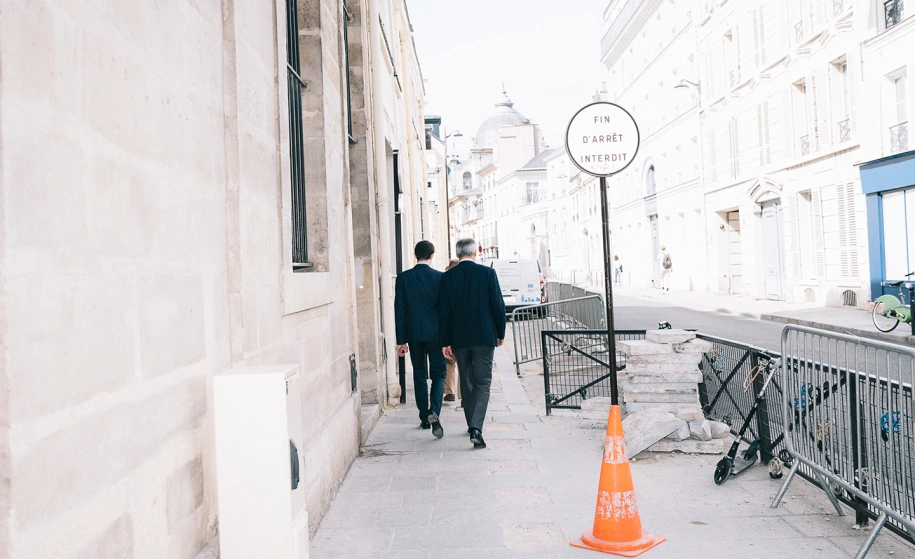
(547, 52)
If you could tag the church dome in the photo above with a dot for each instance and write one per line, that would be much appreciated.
(505, 115)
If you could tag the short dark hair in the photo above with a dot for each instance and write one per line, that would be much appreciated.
(424, 250)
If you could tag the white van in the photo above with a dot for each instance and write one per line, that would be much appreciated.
(521, 281)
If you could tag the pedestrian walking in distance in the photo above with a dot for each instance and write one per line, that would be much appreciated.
(452, 375)
(617, 270)
(416, 296)
(666, 265)
(472, 320)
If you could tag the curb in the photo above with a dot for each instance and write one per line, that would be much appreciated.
(880, 336)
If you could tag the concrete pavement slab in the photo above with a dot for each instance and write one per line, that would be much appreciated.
(421, 497)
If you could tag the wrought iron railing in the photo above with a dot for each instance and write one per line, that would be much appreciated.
(799, 32)
(805, 145)
(838, 6)
(844, 130)
(892, 10)
(899, 137)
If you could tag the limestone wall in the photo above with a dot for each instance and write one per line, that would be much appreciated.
(144, 243)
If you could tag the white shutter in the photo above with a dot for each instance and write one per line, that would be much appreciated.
(819, 253)
(712, 156)
(757, 39)
(848, 231)
(745, 43)
(811, 125)
(819, 14)
(824, 128)
(776, 129)
(776, 29)
(788, 132)
(851, 65)
(760, 15)
(794, 256)
(735, 147)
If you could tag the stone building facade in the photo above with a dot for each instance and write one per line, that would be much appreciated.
(152, 236)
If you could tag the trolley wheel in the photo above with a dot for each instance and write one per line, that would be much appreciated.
(723, 470)
(882, 322)
(776, 468)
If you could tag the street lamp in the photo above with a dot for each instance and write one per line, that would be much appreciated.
(456, 134)
(686, 84)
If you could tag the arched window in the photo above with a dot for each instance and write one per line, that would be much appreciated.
(650, 185)
(467, 181)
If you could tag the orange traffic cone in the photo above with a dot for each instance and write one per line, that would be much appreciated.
(617, 527)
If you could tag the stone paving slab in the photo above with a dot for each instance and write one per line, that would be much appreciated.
(411, 496)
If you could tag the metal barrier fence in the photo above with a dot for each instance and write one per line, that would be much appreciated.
(576, 365)
(557, 291)
(850, 424)
(527, 323)
(726, 396)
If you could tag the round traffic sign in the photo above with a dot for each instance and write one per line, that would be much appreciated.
(602, 139)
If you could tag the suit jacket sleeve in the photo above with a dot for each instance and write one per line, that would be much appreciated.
(444, 312)
(400, 310)
(497, 305)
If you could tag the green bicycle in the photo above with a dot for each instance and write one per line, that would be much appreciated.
(889, 310)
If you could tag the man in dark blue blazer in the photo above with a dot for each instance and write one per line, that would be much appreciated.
(472, 321)
(416, 294)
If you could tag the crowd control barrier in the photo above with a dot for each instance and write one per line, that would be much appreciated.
(584, 313)
(848, 423)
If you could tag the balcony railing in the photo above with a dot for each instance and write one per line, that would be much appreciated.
(892, 9)
(899, 137)
(838, 6)
(799, 32)
(533, 197)
(805, 145)
(616, 28)
(733, 77)
(844, 131)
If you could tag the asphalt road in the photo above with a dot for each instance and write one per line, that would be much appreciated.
(639, 314)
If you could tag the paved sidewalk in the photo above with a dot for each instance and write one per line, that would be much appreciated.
(533, 490)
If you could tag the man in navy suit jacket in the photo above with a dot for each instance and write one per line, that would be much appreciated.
(416, 314)
(472, 321)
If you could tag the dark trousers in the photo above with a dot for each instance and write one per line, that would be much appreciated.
(420, 353)
(475, 364)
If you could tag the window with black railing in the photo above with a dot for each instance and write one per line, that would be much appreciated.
(296, 141)
(892, 10)
(899, 137)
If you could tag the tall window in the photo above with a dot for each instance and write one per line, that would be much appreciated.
(532, 193)
(650, 185)
(799, 102)
(468, 183)
(296, 141)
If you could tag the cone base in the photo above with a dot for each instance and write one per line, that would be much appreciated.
(623, 549)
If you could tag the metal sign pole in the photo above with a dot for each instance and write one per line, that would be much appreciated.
(608, 292)
(602, 139)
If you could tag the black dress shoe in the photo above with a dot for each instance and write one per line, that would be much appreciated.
(425, 425)
(476, 437)
(449, 397)
(437, 430)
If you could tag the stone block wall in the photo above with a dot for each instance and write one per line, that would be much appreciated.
(144, 247)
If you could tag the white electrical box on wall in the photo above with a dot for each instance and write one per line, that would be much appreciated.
(259, 467)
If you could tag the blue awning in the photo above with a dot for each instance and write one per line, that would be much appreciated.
(888, 173)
